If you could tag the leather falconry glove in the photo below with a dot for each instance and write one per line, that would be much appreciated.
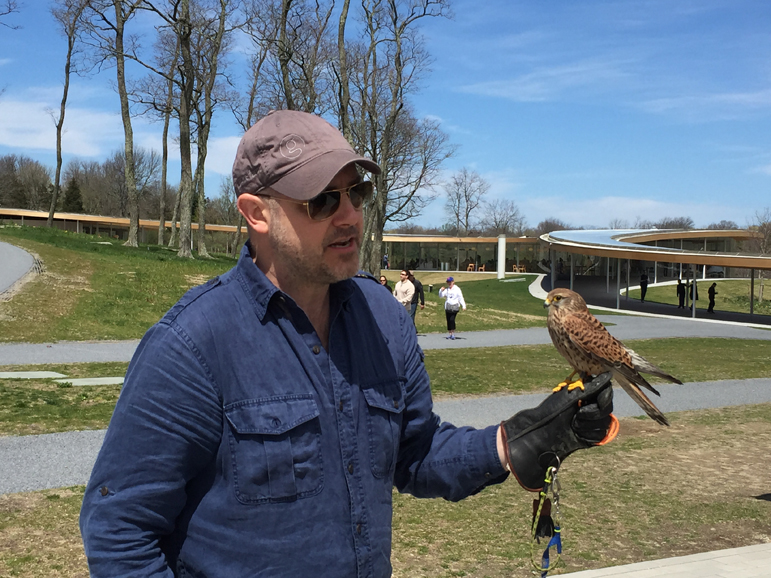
(566, 421)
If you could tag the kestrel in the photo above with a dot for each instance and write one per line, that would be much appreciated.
(590, 350)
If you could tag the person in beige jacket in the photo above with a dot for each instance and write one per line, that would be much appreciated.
(404, 290)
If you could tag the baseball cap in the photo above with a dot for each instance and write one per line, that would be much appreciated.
(295, 153)
(450, 279)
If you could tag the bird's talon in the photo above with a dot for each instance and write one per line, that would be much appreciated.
(560, 386)
(576, 385)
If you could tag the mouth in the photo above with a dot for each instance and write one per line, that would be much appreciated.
(346, 243)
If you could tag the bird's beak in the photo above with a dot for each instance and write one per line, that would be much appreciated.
(546, 303)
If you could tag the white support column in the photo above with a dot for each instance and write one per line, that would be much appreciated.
(572, 260)
(607, 275)
(628, 272)
(501, 256)
(517, 256)
(553, 269)
(752, 291)
(618, 283)
(681, 265)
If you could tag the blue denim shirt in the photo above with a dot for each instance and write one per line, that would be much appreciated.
(241, 447)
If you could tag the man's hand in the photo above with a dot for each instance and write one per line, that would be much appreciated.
(566, 421)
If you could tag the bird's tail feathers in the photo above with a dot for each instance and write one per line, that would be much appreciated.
(641, 399)
(632, 376)
(645, 366)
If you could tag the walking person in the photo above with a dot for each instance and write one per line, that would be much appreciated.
(680, 294)
(711, 292)
(266, 419)
(454, 302)
(404, 289)
(417, 296)
(384, 283)
(643, 287)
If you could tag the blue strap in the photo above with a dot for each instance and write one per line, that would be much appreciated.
(556, 540)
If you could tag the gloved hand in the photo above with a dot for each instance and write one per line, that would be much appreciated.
(564, 422)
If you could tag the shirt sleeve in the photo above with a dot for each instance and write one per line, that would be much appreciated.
(166, 427)
(408, 293)
(438, 459)
(460, 298)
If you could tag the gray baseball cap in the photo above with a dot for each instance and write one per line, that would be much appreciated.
(294, 153)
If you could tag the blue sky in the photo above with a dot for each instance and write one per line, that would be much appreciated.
(583, 111)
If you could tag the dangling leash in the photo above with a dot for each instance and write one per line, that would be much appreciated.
(545, 526)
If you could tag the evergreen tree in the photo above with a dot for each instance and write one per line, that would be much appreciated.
(73, 202)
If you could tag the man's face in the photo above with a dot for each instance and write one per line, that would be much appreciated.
(403, 276)
(308, 251)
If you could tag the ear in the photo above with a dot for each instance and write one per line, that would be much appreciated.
(255, 212)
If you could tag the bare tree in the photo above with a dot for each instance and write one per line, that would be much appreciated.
(465, 195)
(8, 7)
(675, 223)
(105, 22)
(549, 225)
(68, 14)
(502, 217)
(723, 225)
(618, 224)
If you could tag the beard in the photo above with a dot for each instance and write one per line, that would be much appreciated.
(317, 264)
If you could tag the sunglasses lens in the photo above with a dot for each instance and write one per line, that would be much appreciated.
(360, 193)
(324, 205)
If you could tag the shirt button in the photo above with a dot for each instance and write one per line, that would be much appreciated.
(341, 405)
(316, 349)
(358, 528)
(350, 468)
(104, 491)
(396, 405)
(276, 422)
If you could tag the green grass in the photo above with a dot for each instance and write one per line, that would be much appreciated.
(732, 295)
(43, 406)
(532, 368)
(652, 493)
(93, 291)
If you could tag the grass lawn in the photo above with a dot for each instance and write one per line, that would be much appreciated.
(652, 493)
(732, 295)
(93, 291)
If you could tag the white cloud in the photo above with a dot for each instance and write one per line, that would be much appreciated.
(718, 106)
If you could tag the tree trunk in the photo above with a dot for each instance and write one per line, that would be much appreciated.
(174, 238)
(284, 55)
(187, 77)
(345, 91)
(165, 141)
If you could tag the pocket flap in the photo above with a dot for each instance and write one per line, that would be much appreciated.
(271, 416)
(386, 396)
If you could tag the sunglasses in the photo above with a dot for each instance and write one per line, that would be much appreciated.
(325, 204)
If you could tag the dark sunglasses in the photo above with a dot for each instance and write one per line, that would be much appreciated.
(326, 203)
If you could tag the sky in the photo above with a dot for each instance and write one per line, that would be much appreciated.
(589, 112)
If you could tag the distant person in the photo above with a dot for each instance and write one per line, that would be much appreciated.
(680, 294)
(384, 283)
(385, 261)
(417, 296)
(711, 292)
(404, 290)
(643, 287)
(454, 301)
(694, 290)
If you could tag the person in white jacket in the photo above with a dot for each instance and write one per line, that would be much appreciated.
(454, 301)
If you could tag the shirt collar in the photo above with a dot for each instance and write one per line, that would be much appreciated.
(261, 289)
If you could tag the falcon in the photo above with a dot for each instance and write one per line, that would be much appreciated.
(590, 350)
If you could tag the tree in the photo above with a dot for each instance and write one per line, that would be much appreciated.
(465, 194)
(73, 202)
(105, 22)
(549, 225)
(618, 224)
(761, 224)
(68, 14)
(675, 223)
(11, 189)
(8, 7)
(502, 217)
(723, 226)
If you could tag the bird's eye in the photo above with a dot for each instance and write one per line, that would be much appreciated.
(557, 297)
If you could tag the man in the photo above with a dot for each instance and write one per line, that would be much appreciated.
(265, 419)
(680, 294)
(404, 289)
(643, 287)
(711, 292)
(417, 296)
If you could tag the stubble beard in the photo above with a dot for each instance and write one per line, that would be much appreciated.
(314, 266)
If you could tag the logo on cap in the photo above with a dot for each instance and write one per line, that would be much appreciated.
(292, 146)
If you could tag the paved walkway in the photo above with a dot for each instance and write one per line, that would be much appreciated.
(15, 264)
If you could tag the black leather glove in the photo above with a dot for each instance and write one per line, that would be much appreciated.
(566, 421)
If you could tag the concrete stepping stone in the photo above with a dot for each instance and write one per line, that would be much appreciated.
(29, 374)
(93, 381)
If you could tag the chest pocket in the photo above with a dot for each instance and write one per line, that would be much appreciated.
(385, 409)
(275, 445)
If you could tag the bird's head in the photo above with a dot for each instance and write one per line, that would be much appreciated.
(564, 299)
